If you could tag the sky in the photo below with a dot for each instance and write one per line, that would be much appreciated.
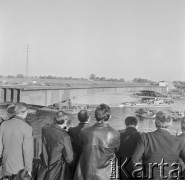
(109, 38)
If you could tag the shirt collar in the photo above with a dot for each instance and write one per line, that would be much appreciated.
(83, 123)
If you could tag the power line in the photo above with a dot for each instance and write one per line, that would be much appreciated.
(28, 50)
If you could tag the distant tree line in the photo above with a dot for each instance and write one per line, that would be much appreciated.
(140, 80)
(42, 77)
(93, 77)
(12, 76)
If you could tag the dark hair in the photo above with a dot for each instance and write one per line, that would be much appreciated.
(102, 112)
(83, 116)
(163, 120)
(131, 120)
(59, 117)
(11, 109)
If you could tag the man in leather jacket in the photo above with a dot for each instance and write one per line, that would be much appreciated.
(100, 142)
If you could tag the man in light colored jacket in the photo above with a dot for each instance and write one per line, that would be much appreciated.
(16, 142)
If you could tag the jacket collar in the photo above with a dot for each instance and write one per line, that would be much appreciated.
(162, 130)
(83, 123)
(101, 124)
(56, 126)
(20, 118)
(129, 128)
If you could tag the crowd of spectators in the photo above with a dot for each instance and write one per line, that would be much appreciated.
(90, 152)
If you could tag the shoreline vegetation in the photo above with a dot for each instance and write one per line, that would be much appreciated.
(64, 82)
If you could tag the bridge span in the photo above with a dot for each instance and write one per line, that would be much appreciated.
(48, 95)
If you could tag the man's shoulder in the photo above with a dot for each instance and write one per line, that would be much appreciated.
(144, 135)
(122, 131)
(72, 129)
(46, 126)
(88, 129)
(130, 131)
(114, 131)
(181, 136)
(14, 123)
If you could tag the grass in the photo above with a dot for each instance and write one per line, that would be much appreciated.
(64, 82)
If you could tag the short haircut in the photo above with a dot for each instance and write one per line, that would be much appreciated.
(11, 109)
(183, 123)
(60, 117)
(163, 120)
(131, 120)
(83, 116)
(102, 112)
(20, 108)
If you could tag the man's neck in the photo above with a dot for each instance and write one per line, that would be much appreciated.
(19, 116)
(131, 126)
(83, 122)
(102, 122)
(167, 129)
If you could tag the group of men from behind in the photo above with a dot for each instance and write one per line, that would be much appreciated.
(86, 152)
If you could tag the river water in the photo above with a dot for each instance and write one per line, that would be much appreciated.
(119, 114)
(41, 118)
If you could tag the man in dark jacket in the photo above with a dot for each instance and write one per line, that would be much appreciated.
(157, 153)
(100, 143)
(182, 137)
(57, 150)
(129, 138)
(74, 132)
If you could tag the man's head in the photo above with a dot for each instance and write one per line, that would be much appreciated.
(102, 112)
(163, 120)
(183, 124)
(21, 109)
(131, 121)
(10, 111)
(83, 116)
(62, 119)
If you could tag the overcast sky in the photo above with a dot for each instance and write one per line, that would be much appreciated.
(110, 38)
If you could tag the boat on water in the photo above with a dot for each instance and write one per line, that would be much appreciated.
(150, 94)
(73, 109)
(149, 103)
(145, 113)
(177, 115)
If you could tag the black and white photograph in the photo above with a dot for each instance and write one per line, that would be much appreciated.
(92, 89)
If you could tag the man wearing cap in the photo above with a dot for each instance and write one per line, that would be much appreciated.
(182, 137)
(16, 142)
(157, 153)
(57, 151)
